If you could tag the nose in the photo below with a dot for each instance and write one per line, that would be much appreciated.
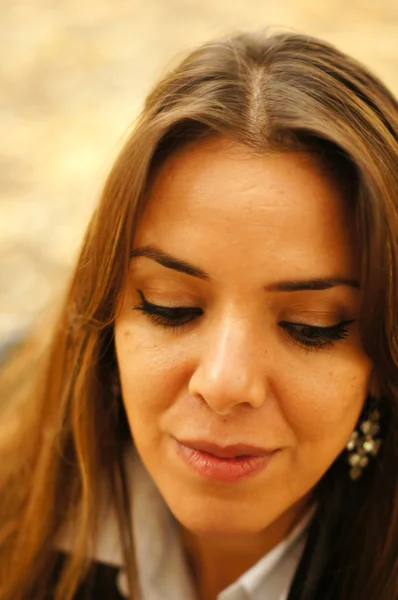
(230, 370)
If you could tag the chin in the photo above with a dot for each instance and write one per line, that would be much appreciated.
(217, 518)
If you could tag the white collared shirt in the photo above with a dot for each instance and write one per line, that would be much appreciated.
(161, 562)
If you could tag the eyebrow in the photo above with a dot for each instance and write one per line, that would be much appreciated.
(316, 283)
(171, 262)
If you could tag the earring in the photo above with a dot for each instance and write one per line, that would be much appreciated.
(363, 444)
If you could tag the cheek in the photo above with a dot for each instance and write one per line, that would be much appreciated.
(151, 378)
(323, 403)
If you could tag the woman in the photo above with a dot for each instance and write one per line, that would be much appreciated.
(224, 370)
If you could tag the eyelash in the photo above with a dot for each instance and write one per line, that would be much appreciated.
(311, 337)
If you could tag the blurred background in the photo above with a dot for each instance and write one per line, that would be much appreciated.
(73, 77)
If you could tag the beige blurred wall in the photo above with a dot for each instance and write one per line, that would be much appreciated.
(73, 76)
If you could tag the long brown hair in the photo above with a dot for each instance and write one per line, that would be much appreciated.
(271, 93)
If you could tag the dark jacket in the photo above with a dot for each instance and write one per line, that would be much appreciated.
(99, 584)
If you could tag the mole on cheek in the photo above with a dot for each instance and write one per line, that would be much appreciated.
(127, 333)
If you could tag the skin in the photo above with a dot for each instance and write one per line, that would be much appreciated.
(234, 374)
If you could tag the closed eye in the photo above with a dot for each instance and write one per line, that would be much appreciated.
(167, 316)
(314, 336)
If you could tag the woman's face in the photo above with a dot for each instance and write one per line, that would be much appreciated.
(238, 329)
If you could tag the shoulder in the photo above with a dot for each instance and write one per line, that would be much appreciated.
(99, 583)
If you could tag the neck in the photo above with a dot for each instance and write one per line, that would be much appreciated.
(217, 561)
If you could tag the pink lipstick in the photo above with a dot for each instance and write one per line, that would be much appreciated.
(224, 463)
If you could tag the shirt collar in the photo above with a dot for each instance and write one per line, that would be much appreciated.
(271, 577)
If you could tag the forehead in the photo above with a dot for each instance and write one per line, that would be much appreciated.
(218, 197)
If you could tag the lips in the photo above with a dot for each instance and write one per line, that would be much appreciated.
(227, 464)
(229, 451)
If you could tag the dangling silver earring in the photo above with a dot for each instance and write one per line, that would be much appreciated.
(363, 444)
